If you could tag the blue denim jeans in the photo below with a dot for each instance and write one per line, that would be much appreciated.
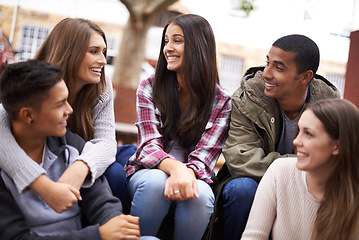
(191, 217)
(115, 173)
(238, 195)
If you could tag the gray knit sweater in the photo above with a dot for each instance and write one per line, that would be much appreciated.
(26, 216)
(98, 153)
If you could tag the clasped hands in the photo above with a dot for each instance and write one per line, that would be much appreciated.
(181, 184)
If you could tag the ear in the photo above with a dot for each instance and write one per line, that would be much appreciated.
(26, 114)
(307, 76)
(335, 147)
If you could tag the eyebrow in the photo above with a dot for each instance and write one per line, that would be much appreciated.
(97, 47)
(175, 35)
(308, 128)
(278, 62)
(61, 101)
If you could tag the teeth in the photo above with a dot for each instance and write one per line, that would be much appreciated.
(269, 85)
(96, 70)
(171, 58)
(299, 154)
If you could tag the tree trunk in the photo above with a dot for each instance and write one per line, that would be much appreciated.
(131, 55)
(132, 47)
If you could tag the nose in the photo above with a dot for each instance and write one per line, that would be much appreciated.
(297, 141)
(102, 59)
(168, 47)
(69, 109)
(267, 73)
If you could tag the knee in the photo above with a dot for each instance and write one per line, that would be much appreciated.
(206, 196)
(240, 189)
(115, 173)
(124, 153)
(151, 181)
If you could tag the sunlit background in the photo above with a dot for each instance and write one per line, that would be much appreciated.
(243, 38)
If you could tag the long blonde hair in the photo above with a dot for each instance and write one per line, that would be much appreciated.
(66, 47)
(337, 216)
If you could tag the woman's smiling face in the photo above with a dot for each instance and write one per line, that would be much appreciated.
(93, 62)
(174, 48)
(315, 148)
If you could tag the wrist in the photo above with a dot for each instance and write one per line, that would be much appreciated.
(40, 184)
(81, 167)
(75, 174)
(192, 170)
(177, 167)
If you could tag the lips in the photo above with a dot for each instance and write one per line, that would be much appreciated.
(64, 122)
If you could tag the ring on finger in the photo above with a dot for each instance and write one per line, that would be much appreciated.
(176, 191)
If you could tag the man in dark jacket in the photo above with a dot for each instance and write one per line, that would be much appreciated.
(266, 108)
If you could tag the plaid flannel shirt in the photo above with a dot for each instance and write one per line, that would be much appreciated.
(153, 148)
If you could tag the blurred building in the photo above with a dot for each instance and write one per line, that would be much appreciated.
(28, 27)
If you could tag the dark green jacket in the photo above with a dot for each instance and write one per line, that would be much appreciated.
(254, 132)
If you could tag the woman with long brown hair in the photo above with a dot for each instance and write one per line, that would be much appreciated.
(78, 46)
(315, 195)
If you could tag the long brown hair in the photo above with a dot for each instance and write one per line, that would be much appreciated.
(66, 46)
(200, 77)
(337, 216)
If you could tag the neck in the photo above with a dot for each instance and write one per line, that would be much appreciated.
(293, 106)
(317, 180)
(29, 141)
(316, 186)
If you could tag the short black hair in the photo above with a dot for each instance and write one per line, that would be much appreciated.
(307, 52)
(26, 84)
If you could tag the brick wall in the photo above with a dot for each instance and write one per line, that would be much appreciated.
(125, 104)
(125, 113)
(351, 91)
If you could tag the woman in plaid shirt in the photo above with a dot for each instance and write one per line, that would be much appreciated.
(182, 119)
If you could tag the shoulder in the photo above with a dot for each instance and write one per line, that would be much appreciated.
(253, 79)
(4, 119)
(107, 95)
(109, 88)
(284, 163)
(283, 167)
(252, 82)
(321, 88)
(252, 89)
(148, 82)
(222, 103)
(222, 94)
(145, 87)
